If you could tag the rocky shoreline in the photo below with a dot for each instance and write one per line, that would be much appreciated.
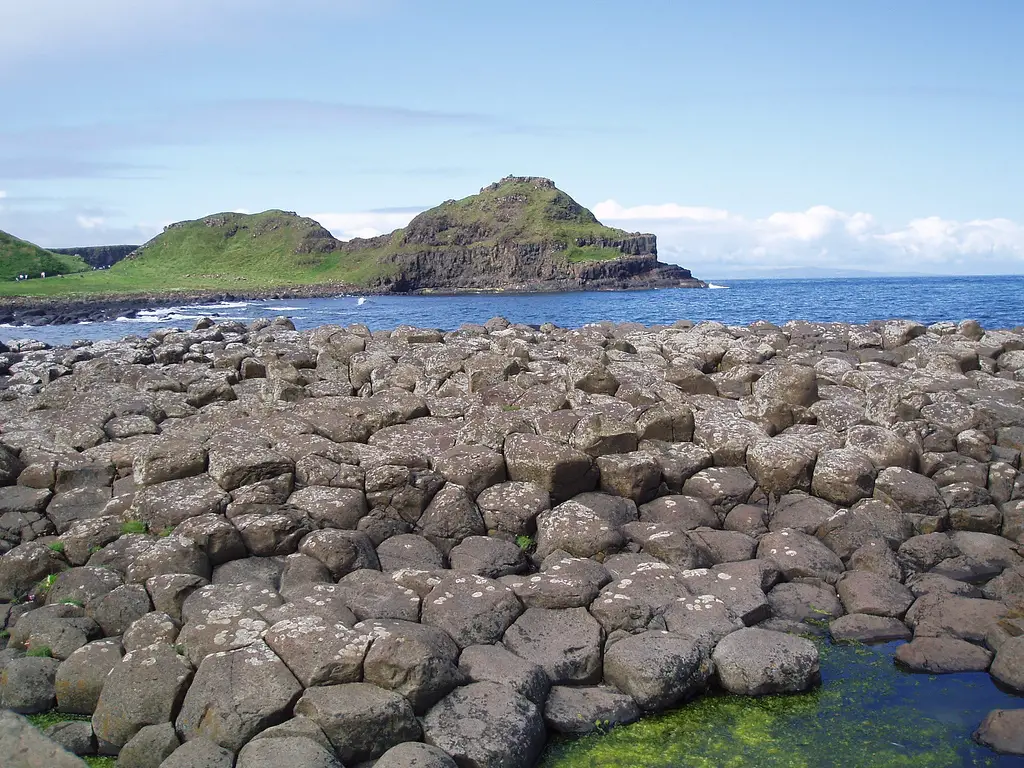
(33, 311)
(250, 546)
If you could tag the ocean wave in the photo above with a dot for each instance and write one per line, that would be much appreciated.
(220, 305)
(712, 285)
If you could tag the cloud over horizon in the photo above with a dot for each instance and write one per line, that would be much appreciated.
(710, 239)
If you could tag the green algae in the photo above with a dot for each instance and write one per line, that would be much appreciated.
(866, 714)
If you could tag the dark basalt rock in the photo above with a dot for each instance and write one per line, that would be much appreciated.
(509, 531)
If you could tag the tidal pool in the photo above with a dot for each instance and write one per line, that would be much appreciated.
(866, 714)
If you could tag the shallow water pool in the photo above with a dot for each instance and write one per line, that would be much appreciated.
(866, 714)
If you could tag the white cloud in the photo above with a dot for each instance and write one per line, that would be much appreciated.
(3, 194)
(346, 226)
(610, 209)
(710, 240)
(90, 222)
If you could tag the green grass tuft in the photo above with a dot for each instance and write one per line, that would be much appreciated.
(525, 543)
(42, 651)
(72, 601)
(56, 546)
(134, 526)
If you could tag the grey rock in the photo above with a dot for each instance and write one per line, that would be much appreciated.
(1008, 666)
(26, 685)
(149, 747)
(487, 556)
(755, 662)
(235, 695)
(341, 551)
(942, 655)
(361, 720)
(1003, 731)
(657, 669)
(419, 662)
(805, 602)
(370, 594)
(513, 507)
(486, 725)
(23, 746)
(798, 555)
(866, 628)
(144, 688)
(80, 678)
(408, 550)
(565, 643)
(863, 592)
(560, 470)
(586, 709)
(75, 736)
(495, 664)
(119, 608)
(412, 754)
(199, 753)
(294, 751)
(318, 652)
(471, 609)
(843, 476)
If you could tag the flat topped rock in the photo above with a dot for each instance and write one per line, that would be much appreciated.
(487, 725)
(755, 662)
(1003, 731)
(471, 609)
(942, 655)
(361, 720)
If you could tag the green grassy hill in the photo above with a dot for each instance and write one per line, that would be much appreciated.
(19, 257)
(238, 252)
(225, 251)
(515, 210)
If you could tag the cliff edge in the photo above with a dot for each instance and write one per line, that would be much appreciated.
(520, 233)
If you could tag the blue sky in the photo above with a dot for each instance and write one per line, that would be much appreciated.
(877, 136)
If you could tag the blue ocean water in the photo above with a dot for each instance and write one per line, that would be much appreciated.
(996, 302)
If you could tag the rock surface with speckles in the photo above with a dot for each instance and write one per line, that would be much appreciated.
(501, 531)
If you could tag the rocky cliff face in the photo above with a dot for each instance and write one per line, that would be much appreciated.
(519, 234)
(99, 256)
(531, 267)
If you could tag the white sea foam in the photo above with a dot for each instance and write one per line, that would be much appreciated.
(362, 300)
(712, 285)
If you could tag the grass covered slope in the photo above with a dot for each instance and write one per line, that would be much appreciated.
(225, 251)
(513, 211)
(19, 257)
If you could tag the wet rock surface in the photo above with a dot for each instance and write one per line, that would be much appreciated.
(252, 544)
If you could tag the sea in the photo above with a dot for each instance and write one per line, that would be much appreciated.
(994, 301)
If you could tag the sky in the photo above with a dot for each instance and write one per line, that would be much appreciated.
(746, 134)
